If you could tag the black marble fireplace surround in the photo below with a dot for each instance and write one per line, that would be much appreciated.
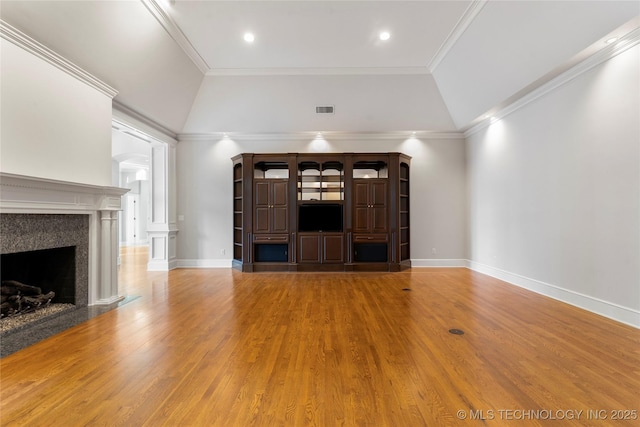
(41, 235)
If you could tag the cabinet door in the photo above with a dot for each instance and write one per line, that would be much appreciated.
(378, 207)
(262, 201)
(361, 211)
(309, 248)
(333, 248)
(271, 212)
(370, 206)
(279, 209)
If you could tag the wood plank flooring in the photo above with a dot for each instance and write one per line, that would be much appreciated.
(222, 348)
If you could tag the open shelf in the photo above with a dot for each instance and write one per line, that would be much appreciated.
(320, 181)
(404, 212)
(237, 211)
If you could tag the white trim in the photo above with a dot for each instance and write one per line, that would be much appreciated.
(108, 301)
(126, 117)
(30, 45)
(25, 194)
(607, 309)
(461, 26)
(546, 85)
(203, 263)
(319, 71)
(176, 34)
(161, 265)
(328, 135)
(420, 263)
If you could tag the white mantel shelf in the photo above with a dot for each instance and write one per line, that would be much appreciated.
(23, 194)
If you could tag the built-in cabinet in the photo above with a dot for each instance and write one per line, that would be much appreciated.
(271, 207)
(321, 248)
(370, 205)
(328, 212)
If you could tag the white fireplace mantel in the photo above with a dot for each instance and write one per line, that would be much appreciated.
(19, 192)
(31, 195)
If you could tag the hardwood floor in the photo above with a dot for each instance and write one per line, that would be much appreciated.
(222, 348)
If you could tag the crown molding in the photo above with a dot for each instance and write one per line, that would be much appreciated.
(176, 34)
(318, 71)
(546, 85)
(328, 135)
(23, 41)
(461, 26)
(140, 123)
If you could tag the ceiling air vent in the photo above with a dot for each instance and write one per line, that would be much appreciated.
(324, 109)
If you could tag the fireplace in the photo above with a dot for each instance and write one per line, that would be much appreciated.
(62, 237)
(47, 251)
(51, 270)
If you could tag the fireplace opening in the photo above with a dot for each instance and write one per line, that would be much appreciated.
(51, 270)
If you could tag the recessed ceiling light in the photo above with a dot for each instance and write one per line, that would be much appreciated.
(385, 35)
(249, 37)
(611, 40)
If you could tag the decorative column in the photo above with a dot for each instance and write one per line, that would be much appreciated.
(105, 256)
(107, 291)
(115, 250)
(162, 230)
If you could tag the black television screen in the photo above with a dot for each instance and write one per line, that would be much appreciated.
(320, 217)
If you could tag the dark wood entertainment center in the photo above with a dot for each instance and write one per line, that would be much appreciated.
(321, 212)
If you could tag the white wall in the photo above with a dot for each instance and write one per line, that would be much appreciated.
(438, 194)
(280, 104)
(555, 192)
(53, 125)
(504, 50)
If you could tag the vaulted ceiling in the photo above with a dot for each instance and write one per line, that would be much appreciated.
(185, 64)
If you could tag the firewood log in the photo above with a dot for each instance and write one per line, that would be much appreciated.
(31, 302)
(38, 300)
(20, 298)
(6, 309)
(24, 289)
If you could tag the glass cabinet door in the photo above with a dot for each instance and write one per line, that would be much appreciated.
(317, 182)
(309, 181)
(332, 181)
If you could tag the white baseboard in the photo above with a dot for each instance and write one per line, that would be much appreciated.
(203, 263)
(439, 263)
(162, 265)
(604, 308)
(108, 301)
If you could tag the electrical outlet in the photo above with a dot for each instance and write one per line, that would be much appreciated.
(223, 251)
(434, 251)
